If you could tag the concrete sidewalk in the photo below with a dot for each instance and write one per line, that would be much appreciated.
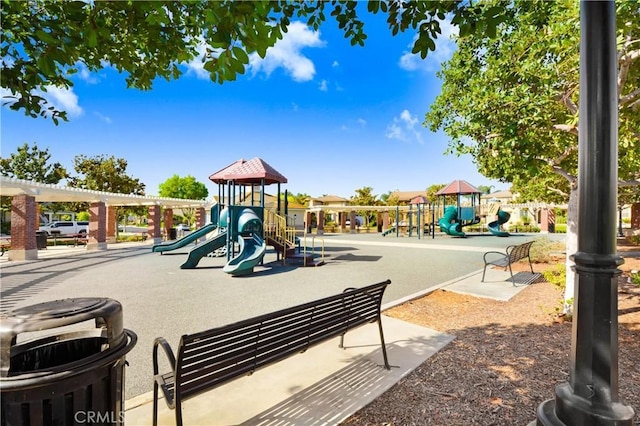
(326, 384)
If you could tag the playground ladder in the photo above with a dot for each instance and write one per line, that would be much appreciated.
(275, 228)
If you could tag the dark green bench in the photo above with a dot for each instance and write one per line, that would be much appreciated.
(211, 358)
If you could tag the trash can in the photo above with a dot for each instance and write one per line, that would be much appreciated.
(173, 233)
(54, 369)
(41, 240)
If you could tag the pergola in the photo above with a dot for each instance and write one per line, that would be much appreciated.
(24, 212)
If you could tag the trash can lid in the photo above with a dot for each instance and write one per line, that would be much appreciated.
(59, 313)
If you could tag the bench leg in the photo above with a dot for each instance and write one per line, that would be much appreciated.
(484, 271)
(155, 403)
(513, 280)
(384, 347)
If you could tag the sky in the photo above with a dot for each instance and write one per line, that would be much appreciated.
(330, 117)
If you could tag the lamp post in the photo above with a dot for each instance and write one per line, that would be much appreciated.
(591, 395)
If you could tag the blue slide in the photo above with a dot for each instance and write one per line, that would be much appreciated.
(204, 248)
(173, 245)
(252, 248)
(494, 227)
(449, 222)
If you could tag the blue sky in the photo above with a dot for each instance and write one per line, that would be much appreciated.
(330, 117)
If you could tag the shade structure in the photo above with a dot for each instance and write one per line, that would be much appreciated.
(254, 171)
(459, 187)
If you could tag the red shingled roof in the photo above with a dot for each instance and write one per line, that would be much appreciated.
(253, 171)
(219, 176)
(459, 187)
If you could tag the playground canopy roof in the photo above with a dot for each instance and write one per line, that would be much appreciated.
(254, 171)
(459, 187)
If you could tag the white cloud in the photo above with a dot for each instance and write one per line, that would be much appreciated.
(335, 64)
(323, 86)
(85, 75)
(103, 117)
(403, 128)
(445, 46)
(61, 98)
(362, 122)
(287, 54)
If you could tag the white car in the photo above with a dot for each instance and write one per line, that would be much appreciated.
(183, 227)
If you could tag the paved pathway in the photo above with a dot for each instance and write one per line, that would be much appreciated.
(160, 299)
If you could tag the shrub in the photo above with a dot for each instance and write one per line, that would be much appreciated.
(541, 249)
(561, 228)
(635, 278)
(557, 275)
(635, 240)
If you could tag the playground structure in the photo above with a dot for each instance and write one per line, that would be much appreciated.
(466, 212)
(495, 227)
(242, 226)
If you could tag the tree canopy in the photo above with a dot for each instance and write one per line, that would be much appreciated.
(32, 163)
(511, 101)
(44, 42)
(183, 187)
(102, 173)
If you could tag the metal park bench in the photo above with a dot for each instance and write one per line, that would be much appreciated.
(211, 358)
(512, 255)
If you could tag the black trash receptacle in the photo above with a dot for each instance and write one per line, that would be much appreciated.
(66, 376)
(41, 240)
(173, 233)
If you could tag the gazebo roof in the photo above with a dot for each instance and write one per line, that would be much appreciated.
(420, 199)
(254, 171)
(459, 187)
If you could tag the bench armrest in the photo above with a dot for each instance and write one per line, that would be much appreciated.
(160, 341)
(499, 257)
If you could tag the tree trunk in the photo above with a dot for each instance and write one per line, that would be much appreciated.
(571, 248)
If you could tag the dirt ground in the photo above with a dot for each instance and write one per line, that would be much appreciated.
(506, 359)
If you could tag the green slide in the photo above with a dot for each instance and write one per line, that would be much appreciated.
(449, 222)
(494, 227)
(173, 245)
(204, 248)
(252, 246)
(252, 251)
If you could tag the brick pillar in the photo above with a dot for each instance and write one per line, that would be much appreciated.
(385, 221)
(379, 221)
(307, 221)
(352, 218)
(201, 217)
(320, 217)
(343, 221)
(112, 223)
(547, 221)
(97, 226)
(24, 219)
(168, 222)
(635, 216)
(153, 229)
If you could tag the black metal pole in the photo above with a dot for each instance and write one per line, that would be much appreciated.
(591, 395)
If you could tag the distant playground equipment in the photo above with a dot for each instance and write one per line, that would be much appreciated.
(242, 226)
(495, 227)
(464, 213)
(417, 219)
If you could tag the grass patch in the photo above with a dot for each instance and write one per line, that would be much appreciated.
(543, 247)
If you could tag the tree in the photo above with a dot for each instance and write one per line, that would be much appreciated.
(511, 102)
(485, 189)
(364, 197)
(109, 174)
(44, 42)
(185, 188)
(300, 198)
(32, 163)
